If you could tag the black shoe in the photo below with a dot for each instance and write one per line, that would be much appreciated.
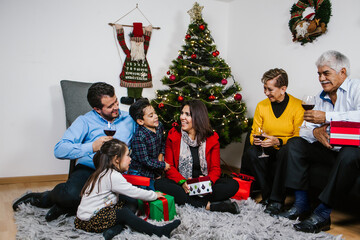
(113, 231)
(35, 199)
(225, 206)
(127, 100)
(264, 202)
(313, 224)
(273, 208)
(54, 213)
(293, 213)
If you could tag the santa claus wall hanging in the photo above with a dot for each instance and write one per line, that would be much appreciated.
(313, 25)
(135, 74)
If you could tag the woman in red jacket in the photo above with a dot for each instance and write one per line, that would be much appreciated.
(194, 151)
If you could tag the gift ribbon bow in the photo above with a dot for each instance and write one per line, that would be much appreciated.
(165, 208)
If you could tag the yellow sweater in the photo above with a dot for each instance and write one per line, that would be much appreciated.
(284, 127)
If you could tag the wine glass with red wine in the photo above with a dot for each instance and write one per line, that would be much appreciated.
(259, 134)
(308, 103)
(110, 129)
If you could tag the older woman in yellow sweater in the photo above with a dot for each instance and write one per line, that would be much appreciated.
(278, 119)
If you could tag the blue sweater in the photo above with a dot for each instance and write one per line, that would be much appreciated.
(79, 137)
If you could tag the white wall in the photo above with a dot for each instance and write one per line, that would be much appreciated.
(45, 41)
(260, 39)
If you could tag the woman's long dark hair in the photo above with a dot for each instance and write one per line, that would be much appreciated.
(200, 119)
(103, 161)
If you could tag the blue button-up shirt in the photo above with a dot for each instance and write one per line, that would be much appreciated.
(79, 137)
(346, 107)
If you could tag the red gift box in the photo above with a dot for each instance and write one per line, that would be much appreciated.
(137, 180)
(244, 185)
(345, 133)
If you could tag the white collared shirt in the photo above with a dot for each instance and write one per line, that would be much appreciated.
(346, 107)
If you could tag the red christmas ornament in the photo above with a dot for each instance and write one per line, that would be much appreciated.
(174, 124)
(238, 97)
(180, 57)
(202, 27)
(172, 77)
(161, 105)
(193, 56)
(217, 53)
(168, 73)
(180, 98)
(224, 81)
(188, 36)
(212, 97)
(214, 54)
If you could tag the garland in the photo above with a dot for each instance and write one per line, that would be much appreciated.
(305, 29)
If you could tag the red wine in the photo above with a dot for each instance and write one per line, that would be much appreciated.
(261, 137)
(109, 132)
(308, 106)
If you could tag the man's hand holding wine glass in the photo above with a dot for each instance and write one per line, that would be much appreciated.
(99, 142)
(314, 116)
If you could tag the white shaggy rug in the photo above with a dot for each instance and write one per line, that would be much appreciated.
(252, 223)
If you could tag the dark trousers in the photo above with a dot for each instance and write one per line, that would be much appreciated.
(67, 195)
(345, 167)
(224, 188)
(269, 172)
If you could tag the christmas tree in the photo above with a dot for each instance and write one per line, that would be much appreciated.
(200, 73)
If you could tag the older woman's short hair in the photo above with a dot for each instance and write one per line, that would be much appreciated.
(335, 60)
(278, 74)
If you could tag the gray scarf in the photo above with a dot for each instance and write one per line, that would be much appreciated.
(185, 158)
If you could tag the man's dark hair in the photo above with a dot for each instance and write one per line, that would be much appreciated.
(136, 109)
(97, 91)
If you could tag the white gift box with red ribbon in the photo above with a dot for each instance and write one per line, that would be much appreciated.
(199, 186)
(345, 133)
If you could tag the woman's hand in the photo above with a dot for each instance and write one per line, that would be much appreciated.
(257, 141)
(185, 187)
(159, 195)
(270, 141)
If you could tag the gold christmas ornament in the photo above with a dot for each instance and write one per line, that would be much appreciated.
(195, 12)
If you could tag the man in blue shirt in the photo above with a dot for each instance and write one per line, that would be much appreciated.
(81, 140)
(338, 101)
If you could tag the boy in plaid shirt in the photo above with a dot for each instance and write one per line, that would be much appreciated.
(148, 143)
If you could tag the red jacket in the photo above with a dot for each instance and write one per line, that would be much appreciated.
(172, 153)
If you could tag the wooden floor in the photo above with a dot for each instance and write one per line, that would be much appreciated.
(342, 223)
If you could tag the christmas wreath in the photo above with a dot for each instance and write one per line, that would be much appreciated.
(310, 27)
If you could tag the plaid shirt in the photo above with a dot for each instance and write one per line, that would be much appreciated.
(146, 147)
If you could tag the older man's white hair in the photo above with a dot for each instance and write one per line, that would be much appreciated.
(335, 60)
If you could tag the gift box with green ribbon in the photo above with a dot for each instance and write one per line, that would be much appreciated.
(160, 209)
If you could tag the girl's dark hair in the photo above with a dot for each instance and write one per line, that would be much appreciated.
(200, 119)
(103, 161)
(97, 91)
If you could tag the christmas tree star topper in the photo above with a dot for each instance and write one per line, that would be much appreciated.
(195, 12)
